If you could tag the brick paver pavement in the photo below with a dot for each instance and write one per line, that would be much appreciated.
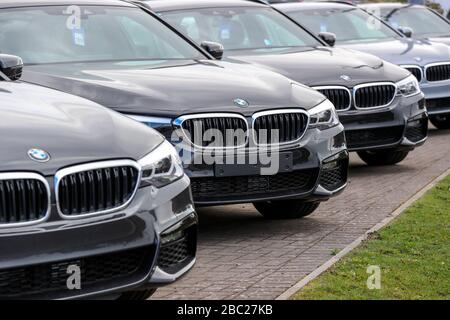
(243, 256)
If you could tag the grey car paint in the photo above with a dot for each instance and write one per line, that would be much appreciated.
(324, 66)
(75, 131)
(173, 88)
(319, 66)
(72, 130)
(401, 51)
(162, 89)
(385, 9)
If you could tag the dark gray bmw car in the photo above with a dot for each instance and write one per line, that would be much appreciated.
(92, 204)
(379, 104)
(125, 58)
(358, 30)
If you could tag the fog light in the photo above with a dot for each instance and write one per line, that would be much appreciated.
(414, 123)
(330, 165)
(174, 236)
(422, 104)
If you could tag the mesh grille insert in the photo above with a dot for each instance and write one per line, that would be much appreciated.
(373, 137)
(332, 179)
(51, 278)
(248, 187)
(418, 131)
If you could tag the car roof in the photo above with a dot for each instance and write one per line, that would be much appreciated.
(34, 3)
(169, 5)
(296, 6)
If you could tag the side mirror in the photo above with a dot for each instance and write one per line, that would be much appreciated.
(406, 31)
(213, 48)
(11, 66)
(328, 37)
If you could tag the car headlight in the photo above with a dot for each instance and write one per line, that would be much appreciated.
(152, 122)
(408, 86)
(161, 167)
(160, 124)
(323, 116)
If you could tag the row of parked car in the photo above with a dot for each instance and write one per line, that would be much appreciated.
(119, 117)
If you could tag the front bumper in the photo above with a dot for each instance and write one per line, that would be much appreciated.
(437, 95)
(114, 253)
(302, 180)
(401, 125)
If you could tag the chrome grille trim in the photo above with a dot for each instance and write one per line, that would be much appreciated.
(30, 176)
(280, 111)
(373, 84)
(178, 123)
(337, 88)
(92, 166)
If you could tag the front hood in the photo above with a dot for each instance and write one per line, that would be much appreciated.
(444, 40)
(404, 51)
(173, 88)
(72, 130)
(323, 66)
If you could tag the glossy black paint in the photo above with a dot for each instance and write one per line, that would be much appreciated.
(213, 48)
(328, 37)
(323, 66)
(166, 88)
(10, 67)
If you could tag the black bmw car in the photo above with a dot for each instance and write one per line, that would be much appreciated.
(124, 57)
(92, 204)
(379, 104)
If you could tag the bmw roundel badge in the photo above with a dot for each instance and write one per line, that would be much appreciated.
(241, 103)
(38, 155)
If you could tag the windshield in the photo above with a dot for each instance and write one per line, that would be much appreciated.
(241, 28)
(57, 34)
(350, 24)
(422, 21)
